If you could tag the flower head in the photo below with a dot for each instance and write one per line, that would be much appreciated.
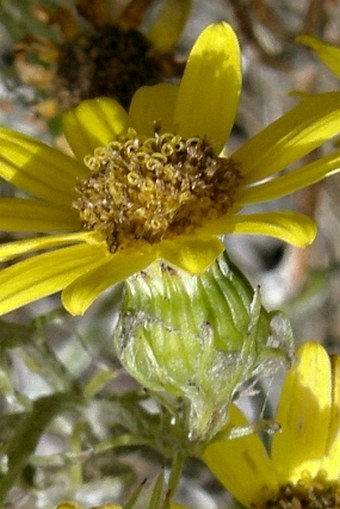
(304, 461)
(88, 51)
(154, 183)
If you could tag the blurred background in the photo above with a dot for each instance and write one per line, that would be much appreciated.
(76, 449)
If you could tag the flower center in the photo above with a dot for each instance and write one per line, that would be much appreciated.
(154, 188)
(316, 494)
(110, 61)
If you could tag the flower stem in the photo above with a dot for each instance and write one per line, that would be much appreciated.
(176, 472)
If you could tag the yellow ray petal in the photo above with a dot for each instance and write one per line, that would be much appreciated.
(169, 24)
(193, 254)
(209, 91)
(291, 227)
(295, 134)
(46, 274)
(24, 215)
(328, 54)
(80, 294)
(331, 463)
(94, 123)
(290, 182)
(38, 169)
(16, 248)
(242, 465)
(304, 415)
(153, 104)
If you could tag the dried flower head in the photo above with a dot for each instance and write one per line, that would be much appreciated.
(90, 52)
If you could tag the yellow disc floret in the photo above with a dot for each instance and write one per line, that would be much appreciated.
(154, 188)
(307, 494)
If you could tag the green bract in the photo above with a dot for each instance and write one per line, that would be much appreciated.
(198, 338)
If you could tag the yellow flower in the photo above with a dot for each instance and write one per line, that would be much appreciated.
(328, 54)
(151, 184)
(304, 461)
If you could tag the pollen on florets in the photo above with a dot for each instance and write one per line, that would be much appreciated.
(306, 494)
(154, 188)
